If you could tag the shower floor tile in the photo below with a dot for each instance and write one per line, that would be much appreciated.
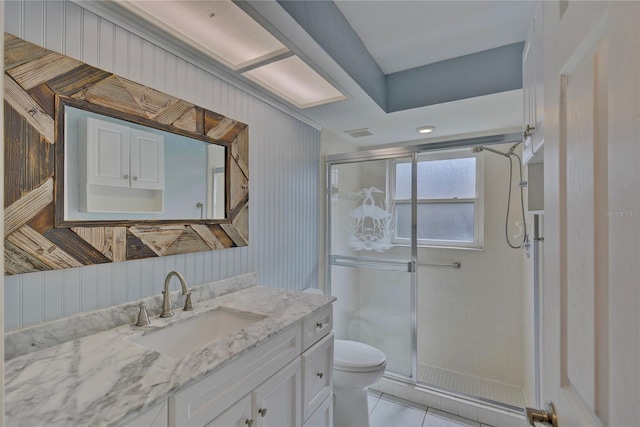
(492, 390)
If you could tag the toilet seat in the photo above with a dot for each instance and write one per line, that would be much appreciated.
(352, 356)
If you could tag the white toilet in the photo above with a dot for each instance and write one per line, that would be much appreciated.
(356, 366)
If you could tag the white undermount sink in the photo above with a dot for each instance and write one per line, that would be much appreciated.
(197, 332)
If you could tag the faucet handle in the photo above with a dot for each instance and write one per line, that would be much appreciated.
(143, 316)
(188, 305)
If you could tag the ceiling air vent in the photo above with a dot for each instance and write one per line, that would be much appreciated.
(359, 133)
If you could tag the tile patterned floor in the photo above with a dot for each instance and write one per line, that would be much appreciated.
(473, 386)
(389, 411)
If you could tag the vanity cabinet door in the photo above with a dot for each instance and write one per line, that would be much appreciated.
(323, 417)
(107, 152)
(277, 402)
(238, 415)
(147, 160)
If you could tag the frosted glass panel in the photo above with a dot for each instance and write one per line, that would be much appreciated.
(375, 309)
(438, 221)
(439, 179)
(403, 181)
(374, 304)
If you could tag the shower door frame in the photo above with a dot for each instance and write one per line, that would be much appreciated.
(412, 152)
(365, 156)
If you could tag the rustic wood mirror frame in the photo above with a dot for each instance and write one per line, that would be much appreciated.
(38, 83)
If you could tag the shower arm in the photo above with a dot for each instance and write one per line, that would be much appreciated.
(509, 153)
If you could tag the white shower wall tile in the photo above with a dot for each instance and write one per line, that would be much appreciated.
(487, 417)
(449, 405)
(468, 411)
(480, 304)
(505, 420)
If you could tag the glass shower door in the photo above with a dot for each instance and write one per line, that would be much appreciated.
(371, 275)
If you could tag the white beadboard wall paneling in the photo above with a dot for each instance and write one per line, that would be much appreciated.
(71, 289)
(90, 47)
(53, 295)
(105, 286)
(72, 29)
(89, 288)
(106, 40)
(54, 25)
(35, 11)
(31, 298)
(284, 154)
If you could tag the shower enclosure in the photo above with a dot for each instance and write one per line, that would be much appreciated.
(416, 256)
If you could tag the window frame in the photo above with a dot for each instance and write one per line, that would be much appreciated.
(478, 201)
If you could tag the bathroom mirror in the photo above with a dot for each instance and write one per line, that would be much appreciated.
(141, 200)
(180, 178)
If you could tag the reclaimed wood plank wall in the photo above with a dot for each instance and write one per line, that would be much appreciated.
(284, 169)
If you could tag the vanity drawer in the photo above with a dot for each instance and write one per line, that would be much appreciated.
(317, 326)
(317, 375)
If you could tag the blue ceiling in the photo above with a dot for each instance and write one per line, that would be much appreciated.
(482, 73)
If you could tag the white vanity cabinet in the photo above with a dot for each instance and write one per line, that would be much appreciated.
(287, 381)
(123, 167)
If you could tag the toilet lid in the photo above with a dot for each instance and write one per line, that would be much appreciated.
(356, 356)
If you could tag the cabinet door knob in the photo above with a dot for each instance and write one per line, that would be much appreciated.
(263, 412)
(320, 374)
(319, 325)
(249, 422)
(126, 177)
(135, 178)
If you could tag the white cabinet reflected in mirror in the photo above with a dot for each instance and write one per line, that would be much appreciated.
(117, 170)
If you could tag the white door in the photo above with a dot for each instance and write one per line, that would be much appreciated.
(147, 160)
(277, 402)
(590, 322)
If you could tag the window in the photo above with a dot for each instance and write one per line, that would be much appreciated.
(449, 210)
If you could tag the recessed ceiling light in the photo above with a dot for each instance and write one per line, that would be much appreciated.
(426, 129)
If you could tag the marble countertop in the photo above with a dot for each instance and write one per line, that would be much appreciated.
(101, 378)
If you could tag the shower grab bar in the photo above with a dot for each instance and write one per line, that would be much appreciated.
(374, 263)
(455, 264)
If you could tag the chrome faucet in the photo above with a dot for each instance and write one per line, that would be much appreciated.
(166, 300)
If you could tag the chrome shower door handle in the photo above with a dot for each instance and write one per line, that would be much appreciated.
(546, 416)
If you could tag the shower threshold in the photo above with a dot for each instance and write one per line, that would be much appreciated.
(506, 394)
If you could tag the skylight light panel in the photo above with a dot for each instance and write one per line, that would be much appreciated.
(218, 28)
(296, 82)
